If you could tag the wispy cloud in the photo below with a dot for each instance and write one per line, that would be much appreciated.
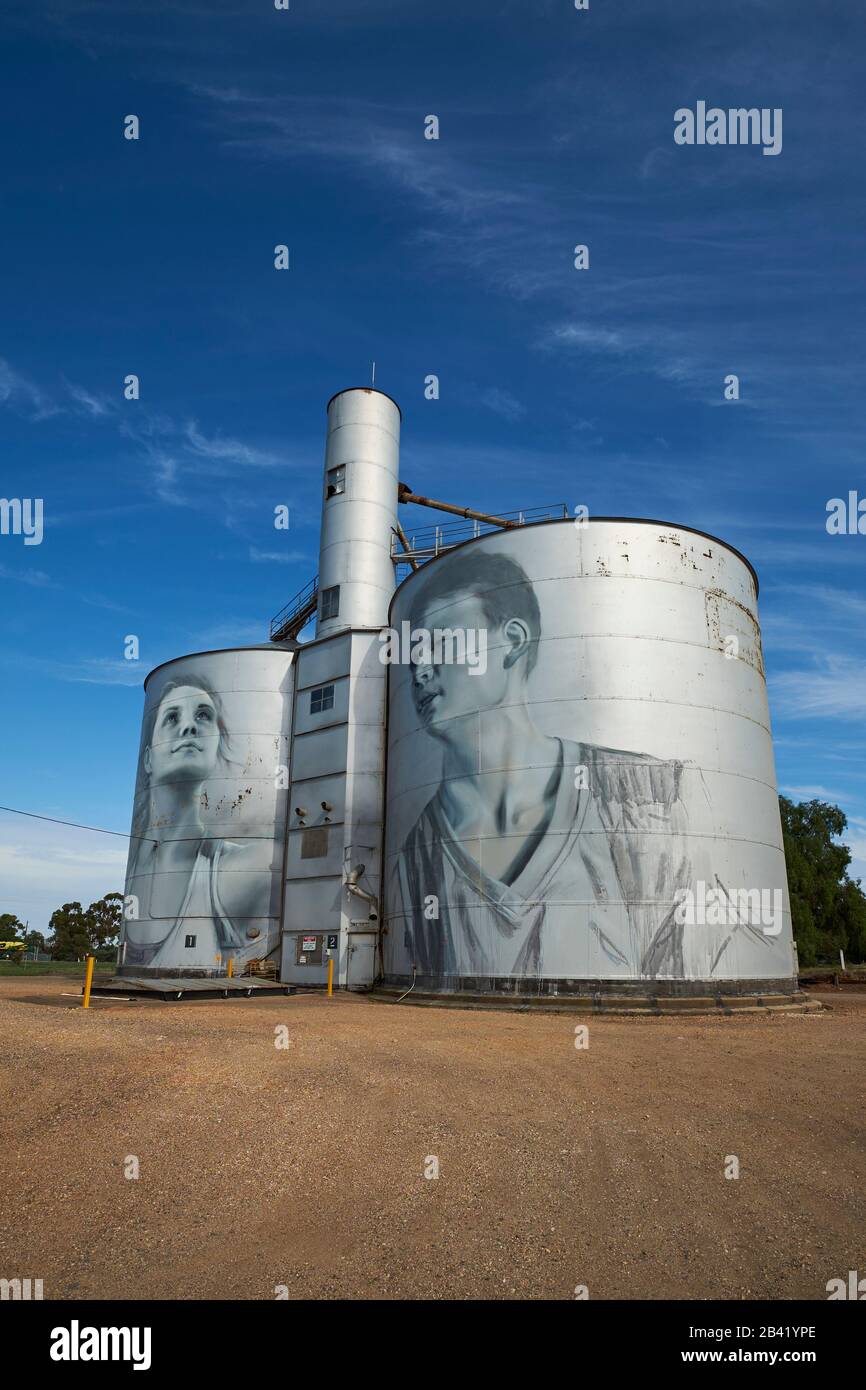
(657, 160)
(21, 393)
(671, 315)
(594, 339)
(229, 452)
(178, 453)
(279, 557)
(810, 793)
(39, 402)
(231, 632)
(165, 476)
(503, 403)
(683, 358)
(836, 604)
(37, 579)
(77, 517)
(43, 865)
(468, 210)
(87, 670)
(89, 403)
(834, 688)
(377, 140)
(174, 451)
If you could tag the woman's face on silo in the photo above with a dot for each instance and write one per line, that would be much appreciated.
(186, 737)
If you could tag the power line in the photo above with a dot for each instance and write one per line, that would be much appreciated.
(13, 811)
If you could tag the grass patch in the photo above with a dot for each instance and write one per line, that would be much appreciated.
(53, 967)
(855, 972)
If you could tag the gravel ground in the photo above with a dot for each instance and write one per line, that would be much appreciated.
(304, 1166)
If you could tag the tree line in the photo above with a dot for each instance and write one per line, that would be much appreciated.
(74, 931)
(828, 909)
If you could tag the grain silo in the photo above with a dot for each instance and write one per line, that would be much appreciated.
(582, 798)
(204, 876)
(541, 766)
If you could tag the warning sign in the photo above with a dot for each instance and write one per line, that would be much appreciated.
(309, 949)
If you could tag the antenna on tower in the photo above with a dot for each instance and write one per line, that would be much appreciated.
(373, 375)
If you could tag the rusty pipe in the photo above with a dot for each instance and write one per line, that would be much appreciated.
(401, 536)
(405, 494)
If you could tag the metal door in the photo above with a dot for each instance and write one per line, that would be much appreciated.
(361, 965)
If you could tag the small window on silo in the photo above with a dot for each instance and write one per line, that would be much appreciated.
(331, 602)
(336, 481)
(321, 699)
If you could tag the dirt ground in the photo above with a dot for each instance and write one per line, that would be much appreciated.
(304, 1166)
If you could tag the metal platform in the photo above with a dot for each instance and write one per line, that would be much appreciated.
(430, 541)
(188, 987)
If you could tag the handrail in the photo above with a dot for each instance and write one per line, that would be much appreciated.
(432, 540)
(297, 612)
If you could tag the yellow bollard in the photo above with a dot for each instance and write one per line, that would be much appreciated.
(88, 980)
(231, 969)
(330, 976)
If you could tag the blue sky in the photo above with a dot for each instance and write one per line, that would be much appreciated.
(452, 257)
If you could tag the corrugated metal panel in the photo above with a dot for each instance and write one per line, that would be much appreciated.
(324, 661)
(320, 753)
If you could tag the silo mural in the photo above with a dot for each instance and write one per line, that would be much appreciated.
(205, 864)
(581, 787)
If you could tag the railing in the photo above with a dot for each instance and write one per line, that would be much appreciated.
(432, 540)
(297, 612)
(423, 545)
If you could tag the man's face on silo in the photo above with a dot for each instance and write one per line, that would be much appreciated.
(444, 690)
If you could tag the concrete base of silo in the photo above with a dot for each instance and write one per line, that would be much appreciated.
(604, 996)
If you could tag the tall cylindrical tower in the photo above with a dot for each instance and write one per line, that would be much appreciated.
(359, 508)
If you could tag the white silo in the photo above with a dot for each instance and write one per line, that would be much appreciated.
(204, 876)
(333, 859)
(359, 509)
(595, 810)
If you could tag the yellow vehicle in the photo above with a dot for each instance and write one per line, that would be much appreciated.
(9, 948)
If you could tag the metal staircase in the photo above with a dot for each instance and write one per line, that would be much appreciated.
(296, 614)
(408, 552)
